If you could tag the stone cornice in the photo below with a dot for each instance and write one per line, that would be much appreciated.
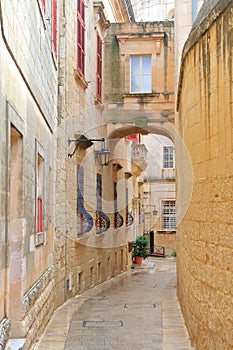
(138, 35)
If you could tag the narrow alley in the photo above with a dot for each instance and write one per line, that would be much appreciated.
(136, 310)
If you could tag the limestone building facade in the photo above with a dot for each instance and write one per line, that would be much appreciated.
(142, 108)
(159, 193)
(92, 225)
(56, 208)
(205, 234)
(28, 107)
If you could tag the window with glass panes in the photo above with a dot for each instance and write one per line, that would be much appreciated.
(168, 157)
(81, 37)
(140, 74)
(168, 215)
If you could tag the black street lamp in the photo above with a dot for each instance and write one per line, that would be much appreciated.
(102, 155)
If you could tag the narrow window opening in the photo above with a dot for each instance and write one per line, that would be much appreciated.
(40, 193)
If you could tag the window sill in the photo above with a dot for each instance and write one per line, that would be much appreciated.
(79, 79)
(40, 238)
(142, 94)
(166, 231)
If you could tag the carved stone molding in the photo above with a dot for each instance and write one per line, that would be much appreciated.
(33, 293)
(4, 332)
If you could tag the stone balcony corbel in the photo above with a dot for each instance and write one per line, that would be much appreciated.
(100, 17)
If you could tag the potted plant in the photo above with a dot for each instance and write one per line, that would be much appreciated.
(140, 249)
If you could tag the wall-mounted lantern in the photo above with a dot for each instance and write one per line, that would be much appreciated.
(154, 211)
(102, 155)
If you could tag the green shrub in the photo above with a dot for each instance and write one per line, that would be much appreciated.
(141, 246)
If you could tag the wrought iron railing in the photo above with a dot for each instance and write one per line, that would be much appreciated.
(102, 222)
(85, 221)
(118, 220)
(129, 219)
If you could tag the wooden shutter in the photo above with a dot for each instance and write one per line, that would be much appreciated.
(81, 37)
(55, 26)
(99, 68)
(44, 5)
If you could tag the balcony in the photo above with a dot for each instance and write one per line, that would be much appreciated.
(118, 220)
(129, 219)
(138, 156)
(85, 221)
(102, 222)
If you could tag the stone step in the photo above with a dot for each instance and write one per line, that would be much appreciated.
(146, 264)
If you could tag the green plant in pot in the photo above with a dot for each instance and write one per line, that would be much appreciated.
(140, 249)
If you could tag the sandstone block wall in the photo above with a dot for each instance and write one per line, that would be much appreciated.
(82, 263)
(28, 84)
(155, 38)
(205, 235)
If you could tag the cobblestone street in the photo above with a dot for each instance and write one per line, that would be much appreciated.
(136, 310)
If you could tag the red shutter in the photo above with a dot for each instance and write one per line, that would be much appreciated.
(81, 37)
(39, 223)
(134, 138)
(55, 26)
(44, 5)
(99, 68)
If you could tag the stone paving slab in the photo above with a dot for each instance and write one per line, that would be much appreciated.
(136, 310)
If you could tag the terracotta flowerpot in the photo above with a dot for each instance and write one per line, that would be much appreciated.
(138, 260)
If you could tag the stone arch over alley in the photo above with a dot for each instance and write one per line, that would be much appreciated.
(122, 121)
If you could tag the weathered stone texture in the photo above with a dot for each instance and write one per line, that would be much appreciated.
(28, 83)
(80, 266)
(205, 250)
(117, 58)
